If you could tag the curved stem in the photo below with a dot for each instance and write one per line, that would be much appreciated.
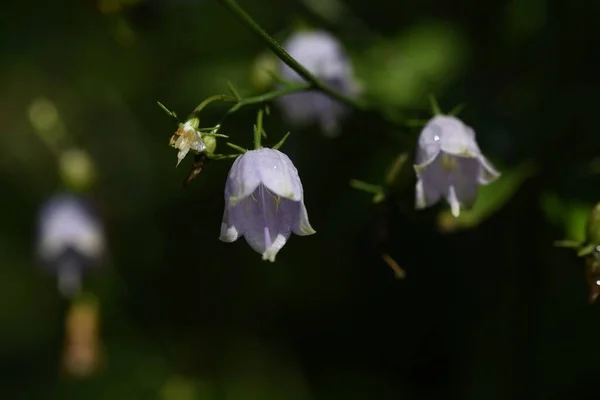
(283, 55)
(292, 88)
(205, 102)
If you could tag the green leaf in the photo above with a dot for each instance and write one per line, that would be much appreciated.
(421, 59)
(570, 215)
(587, 250)
(570, 244)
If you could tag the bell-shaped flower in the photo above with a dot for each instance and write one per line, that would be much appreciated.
(450, 164)
(264, 202)
(70, 239)
(322, 55)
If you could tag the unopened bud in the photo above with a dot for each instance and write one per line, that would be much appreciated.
(76, 169)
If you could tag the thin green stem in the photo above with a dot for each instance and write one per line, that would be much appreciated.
(281, 142)
(366, 187)
(416, 123)
(435, 107)
(258, 129)
(298, 87)
(571, 244)
(233, 91)
(236, 147)
(457, 109)
(205, 102)
(395, 168)
(169, 112)
(283, 55)
(222, 156)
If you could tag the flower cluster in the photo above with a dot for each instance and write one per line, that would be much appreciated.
(264, 199)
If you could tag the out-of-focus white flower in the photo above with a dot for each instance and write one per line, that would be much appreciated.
(70, 239)
(187, 138)
(323, 55)
(450, 164)
(264, 202)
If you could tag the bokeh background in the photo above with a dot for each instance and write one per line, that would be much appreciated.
(488, 309)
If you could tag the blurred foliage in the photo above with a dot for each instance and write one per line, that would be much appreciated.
(490, 312)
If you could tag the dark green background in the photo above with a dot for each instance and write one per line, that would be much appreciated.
(490, 313)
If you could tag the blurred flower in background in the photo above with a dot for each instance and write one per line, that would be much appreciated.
(70, 239)
(323, 55)
(82, 355)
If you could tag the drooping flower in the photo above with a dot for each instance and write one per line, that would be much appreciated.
(70, 239)
(264, 202)
(322, 55)
(449, 164)
(187, 138)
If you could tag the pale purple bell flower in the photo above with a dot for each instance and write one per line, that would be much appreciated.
(264, 202)
(449, 164)
(70, 239)
(324, 56)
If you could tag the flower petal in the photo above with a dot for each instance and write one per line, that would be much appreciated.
(278, 174)
(242, 180)
(262, 217)
(453, 201)
(464, 180)
(420, 200)
(229, 232)
(429, 144)
(265, 166)
(432, 183)
(302, 227)
(454, 136)
(488, 173)
(272, 251)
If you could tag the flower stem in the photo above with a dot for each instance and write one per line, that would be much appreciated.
(572, 244)
(281, 142)
(258, 130)
(222, 156)
(292, 88)
(435, 107)
(398, 271)
(205, 102)
(233, 91)
(366, 187)
(236, 147)
(283, 55)
(169, 112)
(457, 109)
